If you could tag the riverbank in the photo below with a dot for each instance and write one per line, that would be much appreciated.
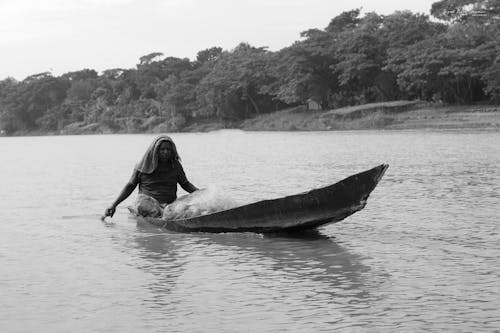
(397, 115)
(384, 116)
(394, 115)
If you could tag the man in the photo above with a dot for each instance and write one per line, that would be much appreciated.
(157, 174)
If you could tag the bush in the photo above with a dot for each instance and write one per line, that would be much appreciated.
(173, 124)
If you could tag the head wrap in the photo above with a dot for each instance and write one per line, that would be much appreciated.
(149, 161)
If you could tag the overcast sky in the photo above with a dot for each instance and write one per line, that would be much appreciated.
(68, 35)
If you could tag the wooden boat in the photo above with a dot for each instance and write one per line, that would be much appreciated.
(302, 211)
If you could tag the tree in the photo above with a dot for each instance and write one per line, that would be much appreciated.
(149, 73)
(177, 95)
(30, 99)
(361, 53)
(209, 55)
(303, 70)
(232, 87)
(404, 28)
(491, 75)
(84, 74)
(483, 11)
(346, 21)
(148, 58)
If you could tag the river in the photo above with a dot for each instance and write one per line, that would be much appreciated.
(423, 255)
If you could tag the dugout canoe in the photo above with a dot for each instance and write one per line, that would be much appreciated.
(302, 211)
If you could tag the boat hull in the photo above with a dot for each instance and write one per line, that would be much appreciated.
(302, 211)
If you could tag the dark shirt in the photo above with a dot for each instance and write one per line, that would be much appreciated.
(161, 184)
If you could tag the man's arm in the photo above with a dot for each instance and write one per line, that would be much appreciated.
(124, 194)
(184, 182)
(188, 187)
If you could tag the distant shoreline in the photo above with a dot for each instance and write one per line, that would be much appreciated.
(400, 115)
(382, 116)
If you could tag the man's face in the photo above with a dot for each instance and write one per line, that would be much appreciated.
(165, 151)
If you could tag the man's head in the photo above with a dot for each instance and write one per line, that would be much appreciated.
(165, 151)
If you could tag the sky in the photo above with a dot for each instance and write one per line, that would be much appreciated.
(61, 36)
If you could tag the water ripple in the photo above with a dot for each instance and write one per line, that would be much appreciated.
(422, 256)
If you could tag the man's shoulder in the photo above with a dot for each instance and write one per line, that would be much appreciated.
(177, 164)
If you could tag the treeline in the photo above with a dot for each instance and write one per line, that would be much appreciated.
(453, 57)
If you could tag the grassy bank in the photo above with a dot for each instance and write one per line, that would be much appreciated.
(382, 116)
(389, 115)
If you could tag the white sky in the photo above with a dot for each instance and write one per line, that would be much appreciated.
(68, 35)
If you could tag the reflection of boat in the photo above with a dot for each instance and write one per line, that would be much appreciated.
(311, 259)
(302, 211)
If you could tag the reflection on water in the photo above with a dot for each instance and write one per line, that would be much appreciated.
(311, 269)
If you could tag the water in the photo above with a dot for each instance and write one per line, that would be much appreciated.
(422, 256)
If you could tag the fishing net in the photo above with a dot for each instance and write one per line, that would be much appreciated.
(201, 202)
(147, 206)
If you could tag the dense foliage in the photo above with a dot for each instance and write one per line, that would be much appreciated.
(453, 58)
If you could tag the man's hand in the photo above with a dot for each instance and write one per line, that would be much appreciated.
(109, 212)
